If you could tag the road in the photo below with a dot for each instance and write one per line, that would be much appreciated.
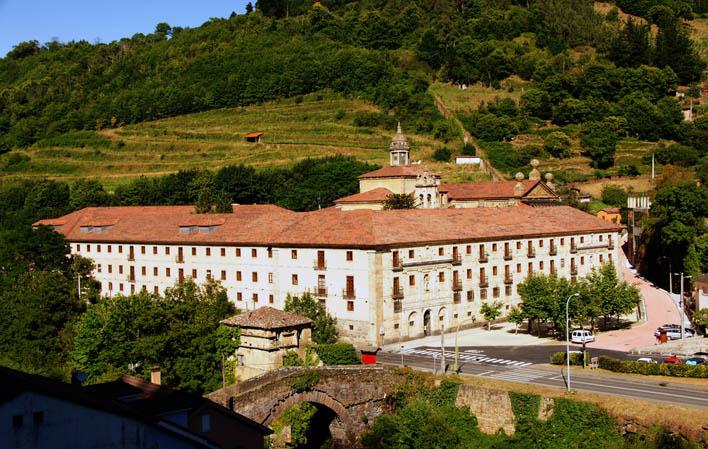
(524, 367)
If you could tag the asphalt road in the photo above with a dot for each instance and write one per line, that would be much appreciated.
(521, 365)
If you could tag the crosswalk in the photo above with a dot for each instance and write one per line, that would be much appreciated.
(467, 356)
(519, 375)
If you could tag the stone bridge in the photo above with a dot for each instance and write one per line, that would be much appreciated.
(354, 395)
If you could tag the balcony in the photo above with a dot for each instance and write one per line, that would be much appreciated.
(397, 293)
(508, 255)
(321, 291)
(319, 266)
(484, 282)
(553, 251)
(179, 258)
(508, 279)
(397, 306)
(483, 258)
(456, 259)
(348, 294)
(531, 253)
(456, 298)
(456, 285)
(573, 248)
(130, 278)
(397, 265)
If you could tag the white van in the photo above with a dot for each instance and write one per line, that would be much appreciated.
(582, 336)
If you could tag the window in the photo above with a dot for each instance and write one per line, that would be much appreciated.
(194, 274)
(255, 297)
(482, 293)
(270, 253)
(132, 288)
(143, 271)
(441, 251)
(507, 290)
(441, 276)
(294, 279)
(518, 245)
(156, 290)
(110, 268)
(530, 269)
(495, 292)
(396, 326)
(208, 251)
(540, 243)
(270, 278)
(270, 299)
(142, 250)
(88, 248)
(562, 242)
(194, 251)
(98, 267)
(167, 272)
(120, 286)
(494, 271)
(350, 256)
(238, 252)
(239, 296)
(518, 268)
(582, 260)
(254, 252)
(98, 248)
(223, 252)
(120, 249)
(17, 421)
(350, 306)
(600, 237)
(206, 423)
(254, 276)
(602, 258)
(238, 275)
(120, 269)
(411, 280)
(540, 265)
(293, 254)
(609, 257)
(469, 273)
(110, 286)
(582, 239)
(411, 253)
(470, 295)
(223, 275)
(154, 271)
(154, 250)
(494, 246)
(468, 249)
(167, 250)
(78, 248)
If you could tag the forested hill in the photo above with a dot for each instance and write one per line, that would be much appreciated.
(384, 51)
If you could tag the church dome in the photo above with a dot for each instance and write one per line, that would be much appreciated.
(399, 141)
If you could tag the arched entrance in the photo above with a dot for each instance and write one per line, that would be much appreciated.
(411, 324)
(426, 323)
(442, 317)
(326, 420)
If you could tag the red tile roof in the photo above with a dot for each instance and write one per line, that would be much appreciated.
(377, 195)
(396, 171)
(486, 190)
(254, 135)
(266, 225)
(267, 318)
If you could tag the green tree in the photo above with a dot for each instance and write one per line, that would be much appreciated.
(599, 144)
(88, 193)
(442, 154)
(557, 144)
(614, 297)
(325, 327)
(399, 201)
(491, 311)
(614, 195)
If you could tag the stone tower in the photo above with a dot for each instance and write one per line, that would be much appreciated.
(426, 191)
(400, 149)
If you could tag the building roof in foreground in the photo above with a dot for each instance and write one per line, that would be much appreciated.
(272, 226)
(377, 195)
(491, 190)
(267, 318)
(395, 171)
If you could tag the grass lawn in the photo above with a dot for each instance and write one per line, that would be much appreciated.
(461, 101)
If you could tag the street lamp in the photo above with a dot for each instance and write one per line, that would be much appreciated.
(682, 277)
(567, 335)
(401, 356)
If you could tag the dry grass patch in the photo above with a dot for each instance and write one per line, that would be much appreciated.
(637, 184)
(461, 101)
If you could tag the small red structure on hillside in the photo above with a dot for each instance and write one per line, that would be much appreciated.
(253, 137)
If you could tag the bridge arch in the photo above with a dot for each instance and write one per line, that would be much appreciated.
(313, 396)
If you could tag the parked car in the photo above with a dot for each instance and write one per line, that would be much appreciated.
(581, 336)
(695, 361)
(646, 360)
(673, 332)
(673, 360)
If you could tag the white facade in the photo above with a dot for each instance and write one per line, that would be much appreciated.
(357, 285)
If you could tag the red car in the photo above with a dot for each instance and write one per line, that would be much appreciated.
(673, 359)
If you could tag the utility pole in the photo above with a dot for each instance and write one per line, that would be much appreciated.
(682, 311)
(653, 172)
(401, 356)
(78, 289)
(457, 348)
(442, 347)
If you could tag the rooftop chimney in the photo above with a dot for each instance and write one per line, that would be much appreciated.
(155, 376)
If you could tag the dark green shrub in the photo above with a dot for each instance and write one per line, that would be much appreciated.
(653, 369)
(557, 144)
(558, 358)
(338, 354)
(614, 196)
(373, 120)
(469, 150)
(442, 154)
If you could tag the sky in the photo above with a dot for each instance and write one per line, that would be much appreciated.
(67, 20)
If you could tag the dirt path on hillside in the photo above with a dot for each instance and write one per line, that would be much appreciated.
(468, 138)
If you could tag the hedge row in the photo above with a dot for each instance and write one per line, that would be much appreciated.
(558, 358)
(660, 369)
(337, 354)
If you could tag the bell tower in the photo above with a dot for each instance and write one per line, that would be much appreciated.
(400, 149)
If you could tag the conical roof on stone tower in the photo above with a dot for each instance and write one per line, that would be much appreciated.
(399, 141)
